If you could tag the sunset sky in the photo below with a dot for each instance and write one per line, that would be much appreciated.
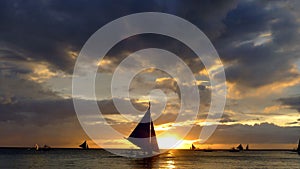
(257, 41)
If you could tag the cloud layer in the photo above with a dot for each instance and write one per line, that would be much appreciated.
(256, 40)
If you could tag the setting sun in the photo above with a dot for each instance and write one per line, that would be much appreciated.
(168, 141)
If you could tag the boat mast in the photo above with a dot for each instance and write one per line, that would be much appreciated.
(149, 123)
(150, 134)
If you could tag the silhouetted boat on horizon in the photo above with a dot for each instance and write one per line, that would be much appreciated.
(233, 149)
(240, 147)
(44, 148)
(193, 147)
(36, 147)
(144, 136)
(84, 145)
(237, 149)
(247, 148)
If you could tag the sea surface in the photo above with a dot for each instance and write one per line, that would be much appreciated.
(75, 158)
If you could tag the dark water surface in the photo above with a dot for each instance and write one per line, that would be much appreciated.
(74, 158)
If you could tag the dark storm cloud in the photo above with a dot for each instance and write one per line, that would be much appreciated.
(44, 31)
(208, 15)
(291, 102)
(47, 30)
(40, 31)
(256, 40)
(254, 64)
(12, 68)
(13, 63)
(11, 55)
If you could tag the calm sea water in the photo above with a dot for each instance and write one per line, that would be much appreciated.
(71, 158)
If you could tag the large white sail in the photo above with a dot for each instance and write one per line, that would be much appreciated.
(144, 135)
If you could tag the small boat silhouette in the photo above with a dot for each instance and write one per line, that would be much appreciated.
(237, 149)
(247, 148)
(44, 148)
(193, 147)
(233, 149)
(84, 145)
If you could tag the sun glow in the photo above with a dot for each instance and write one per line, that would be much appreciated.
(169, 141)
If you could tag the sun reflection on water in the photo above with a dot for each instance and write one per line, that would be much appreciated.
(170, 164)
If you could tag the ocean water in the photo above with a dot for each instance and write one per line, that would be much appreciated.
(75, 158)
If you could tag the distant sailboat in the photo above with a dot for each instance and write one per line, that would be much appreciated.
(144, 135)
(233, 149)
(45, 148)
(193, 147)
(237, 149)
(84, 145)
(36, 147)
(247, 148)
(240, 147)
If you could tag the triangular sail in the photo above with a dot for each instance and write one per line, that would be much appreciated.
(84, 145)
(193, 147)
(240, 147)
(142, 130)
(144, 135)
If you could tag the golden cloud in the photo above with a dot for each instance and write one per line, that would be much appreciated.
(42, 72)
(237, 92)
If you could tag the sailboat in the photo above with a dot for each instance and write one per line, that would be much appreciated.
(144, 136)
(45, 148)
(233, 149)
(193, 147)
(237, 149)
(240, 147)
(36, 147)
(84, 145)
(247, 148)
